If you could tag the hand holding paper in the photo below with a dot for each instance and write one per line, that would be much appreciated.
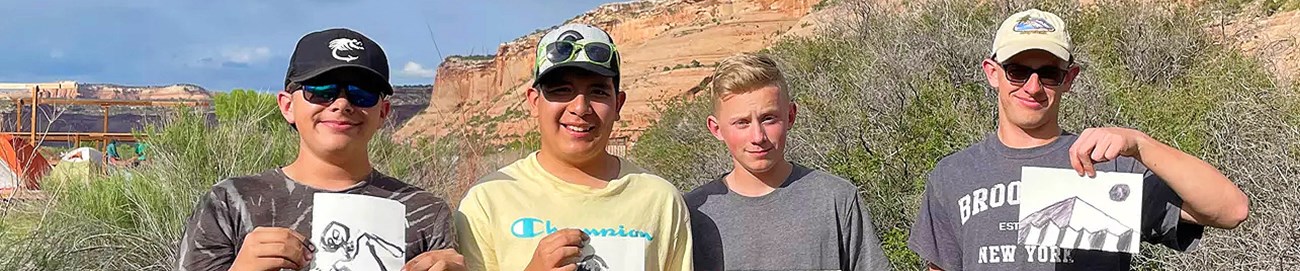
(558, 250)
(272, 248)
(1099, 145)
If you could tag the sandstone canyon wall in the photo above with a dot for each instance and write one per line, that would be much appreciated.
(660, 42)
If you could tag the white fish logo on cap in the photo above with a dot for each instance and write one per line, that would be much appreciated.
(345, 44)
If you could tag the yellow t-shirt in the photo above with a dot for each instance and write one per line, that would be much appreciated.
(638, 217)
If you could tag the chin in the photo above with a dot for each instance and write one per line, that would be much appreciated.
(581, 149)
(758, 166)
(331, 143)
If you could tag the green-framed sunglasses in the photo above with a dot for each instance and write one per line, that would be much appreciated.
(566, 51)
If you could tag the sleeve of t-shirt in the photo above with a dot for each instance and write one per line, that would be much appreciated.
(1161, 216)
(207, 242)
(933, 236)
(861, 243)
(678, 250)
(474, 234)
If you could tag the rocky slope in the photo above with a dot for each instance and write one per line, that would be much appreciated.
(74, 90)
(1275, 39)
(407, 101)
(668, 48)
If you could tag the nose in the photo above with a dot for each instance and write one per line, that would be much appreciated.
(580, 105)
(341, 104)
(1032, 86)
(757, 135)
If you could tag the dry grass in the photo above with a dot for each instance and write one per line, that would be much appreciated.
(886, 93)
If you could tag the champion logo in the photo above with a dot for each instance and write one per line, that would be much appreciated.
(345, 44)
(530, 227)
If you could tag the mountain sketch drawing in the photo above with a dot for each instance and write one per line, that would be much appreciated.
(1076, 224)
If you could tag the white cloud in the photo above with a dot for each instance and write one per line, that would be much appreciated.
(246, 55)
(56, 53)
(413, 69)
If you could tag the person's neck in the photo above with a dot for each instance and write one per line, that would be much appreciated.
(1016, 137)
(328, 174)
(595, 171)
(757, 184)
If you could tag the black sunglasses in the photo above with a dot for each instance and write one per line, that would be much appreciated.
(326, 94)
(1048, 75)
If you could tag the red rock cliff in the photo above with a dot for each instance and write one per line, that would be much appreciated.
(659, 40)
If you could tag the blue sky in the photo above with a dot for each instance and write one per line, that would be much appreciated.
(228, 44)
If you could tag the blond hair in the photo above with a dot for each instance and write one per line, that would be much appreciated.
(745, 72)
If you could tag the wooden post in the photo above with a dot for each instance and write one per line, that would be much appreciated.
(36, 100)
(18, 116)
(105, 117)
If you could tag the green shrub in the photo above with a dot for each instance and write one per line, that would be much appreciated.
(880, 104)
(132, 219)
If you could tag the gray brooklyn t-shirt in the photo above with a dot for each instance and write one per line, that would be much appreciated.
(235, 206)
(969, 213)
(814, 221)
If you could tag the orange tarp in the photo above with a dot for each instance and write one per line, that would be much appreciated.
(23, 159)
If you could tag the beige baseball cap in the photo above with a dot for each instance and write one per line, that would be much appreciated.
(1029, 30)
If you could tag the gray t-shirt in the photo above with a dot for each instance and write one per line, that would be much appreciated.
(814, 221)
(235, 206)
(969, 212)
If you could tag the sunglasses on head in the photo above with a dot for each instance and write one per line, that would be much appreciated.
(565, 51)
(326, 94)
(1047, 75)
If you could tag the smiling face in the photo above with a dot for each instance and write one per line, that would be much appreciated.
(334, 127)
(754, 125)
(575, 111)
(1030, 105)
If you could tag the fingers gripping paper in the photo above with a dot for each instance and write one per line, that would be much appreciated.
(612, 253)
(356, 232)
(1061, 209)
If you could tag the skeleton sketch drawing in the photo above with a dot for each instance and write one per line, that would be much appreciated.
(357, 232)
(338, 239)
(590, 261)
(1060, 209)
(603, 253)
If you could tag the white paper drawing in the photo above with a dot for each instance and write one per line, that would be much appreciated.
(613, 253)
(1061, 209)
(357, 232)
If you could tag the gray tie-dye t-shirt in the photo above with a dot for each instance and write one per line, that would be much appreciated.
(235, 206)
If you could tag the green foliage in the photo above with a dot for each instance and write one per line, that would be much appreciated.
(259, 108)
(679, 147)
(530, 141)
(880, 105)
(131, 218)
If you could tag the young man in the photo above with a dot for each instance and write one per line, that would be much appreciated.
(769, 213)
(969, 217)
(548, 211)
(335, 98)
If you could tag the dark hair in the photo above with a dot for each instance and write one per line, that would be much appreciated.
(555, 77)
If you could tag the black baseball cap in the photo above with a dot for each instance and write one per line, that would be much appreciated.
(339, 54)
